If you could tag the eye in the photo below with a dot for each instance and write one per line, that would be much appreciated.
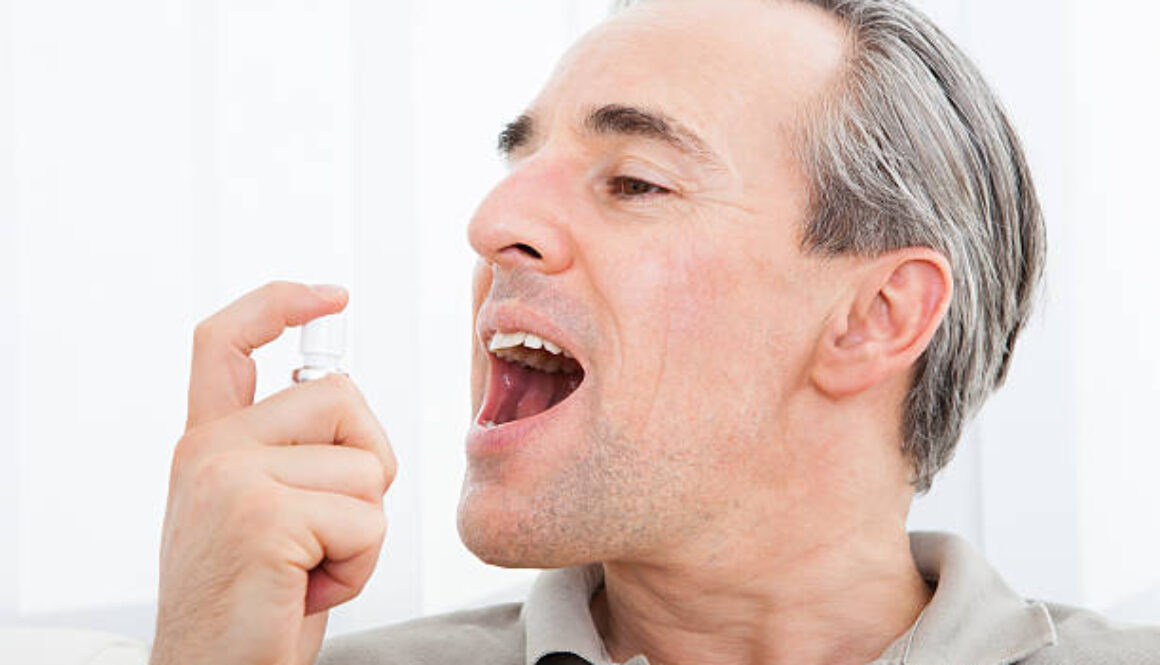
(624, 187)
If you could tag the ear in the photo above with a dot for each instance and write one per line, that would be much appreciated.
(900, 299)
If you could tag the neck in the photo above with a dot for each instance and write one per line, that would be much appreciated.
(839, 600)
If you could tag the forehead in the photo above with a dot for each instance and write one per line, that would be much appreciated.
(735, 71)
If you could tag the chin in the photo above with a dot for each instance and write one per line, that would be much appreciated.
(496, 545)
(499, 534)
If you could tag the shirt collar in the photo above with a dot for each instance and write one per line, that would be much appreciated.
(973, 617)
(558, 616)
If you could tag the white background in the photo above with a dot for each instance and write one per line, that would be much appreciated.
(160, 157)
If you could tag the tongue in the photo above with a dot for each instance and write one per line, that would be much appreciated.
(528, 392)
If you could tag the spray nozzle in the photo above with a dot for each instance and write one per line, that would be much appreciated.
(323, 343)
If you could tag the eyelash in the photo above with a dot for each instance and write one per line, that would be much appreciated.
(617, 185)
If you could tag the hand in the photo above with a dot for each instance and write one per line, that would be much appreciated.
(275, 509)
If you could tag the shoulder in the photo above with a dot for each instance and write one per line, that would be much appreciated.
(488, 636)
(1085, 637)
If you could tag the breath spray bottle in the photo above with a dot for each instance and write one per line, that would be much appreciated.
(322, 344)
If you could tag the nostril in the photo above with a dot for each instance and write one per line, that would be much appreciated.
(529, 250)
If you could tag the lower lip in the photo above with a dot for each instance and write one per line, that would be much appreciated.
(487, 441)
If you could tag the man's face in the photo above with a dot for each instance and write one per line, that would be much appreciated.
(649, 225)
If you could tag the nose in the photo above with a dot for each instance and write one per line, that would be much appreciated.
(521, 223)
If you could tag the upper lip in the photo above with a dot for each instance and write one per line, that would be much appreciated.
(512, 316)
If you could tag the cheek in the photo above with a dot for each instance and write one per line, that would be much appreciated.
(478, 378)
(717, 326)
(727, 352)
(676, 327)
(635, 290)
(480, 285)
(702, 336)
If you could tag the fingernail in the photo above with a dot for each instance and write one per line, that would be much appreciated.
(331, 292)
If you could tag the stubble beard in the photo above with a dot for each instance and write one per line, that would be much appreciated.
(614, 503)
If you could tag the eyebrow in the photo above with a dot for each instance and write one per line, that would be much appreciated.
(619, 120)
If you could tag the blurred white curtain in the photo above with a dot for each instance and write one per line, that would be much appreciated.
(1116, 284)
(169, 156)
(1067, 455)
(9, 295)
(159, 159)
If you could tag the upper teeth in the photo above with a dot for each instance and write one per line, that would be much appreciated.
(511, 340)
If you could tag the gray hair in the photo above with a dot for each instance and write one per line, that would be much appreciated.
(911, 148)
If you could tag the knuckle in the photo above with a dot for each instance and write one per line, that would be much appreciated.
(364, 473)
(278, 287)
(273, 294)
(377, 475)
(251, 511)
(380, 527)
(188, 450)
(220, 474)
(384, 475)
(206, 333)
(259, 509)
(267, 301)
(270, 300)
(340, 385)
(338, 392)
(221, 489)
(372, 522)
(390, 470)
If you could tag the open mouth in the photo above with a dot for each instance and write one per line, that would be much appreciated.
(529, 375)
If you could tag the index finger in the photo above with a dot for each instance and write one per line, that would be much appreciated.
(222, 376)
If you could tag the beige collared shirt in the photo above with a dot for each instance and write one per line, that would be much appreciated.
(974, 618)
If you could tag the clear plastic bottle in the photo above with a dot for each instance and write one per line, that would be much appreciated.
(323, 343)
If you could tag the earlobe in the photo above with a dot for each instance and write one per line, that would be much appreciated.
(900, 300)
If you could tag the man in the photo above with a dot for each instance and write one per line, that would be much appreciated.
(754, 264)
